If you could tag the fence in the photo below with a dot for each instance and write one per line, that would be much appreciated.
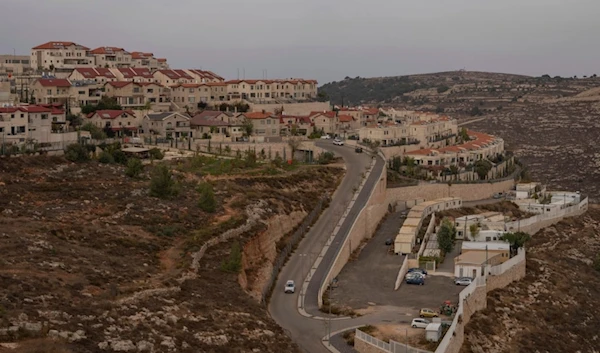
(296, 237)
(392, 347)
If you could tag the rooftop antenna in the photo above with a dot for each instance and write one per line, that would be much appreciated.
(244, 73)
(238, 76)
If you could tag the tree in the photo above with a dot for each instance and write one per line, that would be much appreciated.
(156, 153)
(247, 127)
(475, 111)
(453, 169)
(74, 119)
(207, 201)
(517, 240)
(77, 153)
(446, 236)
(322, 96)
(474, 229)
(294, 144)
(105, 103)
(134, 167)
(482, 168)
(95, 132)
(464, 135)
(162, 184)
(106, 158)
(234, 263)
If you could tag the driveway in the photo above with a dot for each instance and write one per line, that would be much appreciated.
(369, 280)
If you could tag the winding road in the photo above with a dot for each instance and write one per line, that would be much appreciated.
(309, 328)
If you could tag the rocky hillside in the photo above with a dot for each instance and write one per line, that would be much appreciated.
(92, 263)
(555, 307)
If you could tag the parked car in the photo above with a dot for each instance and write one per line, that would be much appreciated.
(415, 279)
(389, 241)
(290, 286)
(325, 137)
(358, 150)
(338, 142)
(419, 270)
(463, 281)
(428, 313)
(419, 323)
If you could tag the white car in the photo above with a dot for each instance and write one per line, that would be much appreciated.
(325, 137)
(338, 142)
(290, 286)
(463, 281)
(419, 323)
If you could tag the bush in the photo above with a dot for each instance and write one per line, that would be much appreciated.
(95, 132)
(325, 157)
(134, 167)
(106, 158)
(156, 153)
(162, 184)
(207, 202)
(77, 153)
(234, 263)
(119, 156)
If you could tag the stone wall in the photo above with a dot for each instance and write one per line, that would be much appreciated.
(270, 148)
(467, 192)
(514, 273)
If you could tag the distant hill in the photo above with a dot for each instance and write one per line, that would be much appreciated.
(378, 90)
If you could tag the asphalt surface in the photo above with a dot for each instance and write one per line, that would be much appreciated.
(305, 331)
(370, 279)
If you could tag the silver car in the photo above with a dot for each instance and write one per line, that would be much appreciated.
(463, 281)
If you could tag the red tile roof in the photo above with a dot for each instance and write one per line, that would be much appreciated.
(136, 72)
(328, 114)
(175, 74)
(345, 118)
(107, 50)
(110, 114)
(257, 115)
(89, 72)
(480, 141)
(119, 84)
(292, 81)
(141, 55)
(11, 109)
(161, 60)
(54, 82)
(59, 45)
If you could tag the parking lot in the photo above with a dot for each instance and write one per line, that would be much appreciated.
(369, 280)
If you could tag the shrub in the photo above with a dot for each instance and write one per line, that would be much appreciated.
(207, 202)
(134, 167)
(95, 132)
(325, 157)
(162, 184)
(77, 153)
(234, 263)
(106, 158)
(119, 156)
(156, 153)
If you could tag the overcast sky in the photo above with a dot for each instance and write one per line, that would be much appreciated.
(323, 39)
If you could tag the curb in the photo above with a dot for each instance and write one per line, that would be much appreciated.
(315, 265)
(331, 348)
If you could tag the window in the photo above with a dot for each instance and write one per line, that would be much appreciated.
(274, 131)
(268, 121)
(44, 116)
(49, 92)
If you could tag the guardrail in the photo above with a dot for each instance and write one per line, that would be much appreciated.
(384, 347)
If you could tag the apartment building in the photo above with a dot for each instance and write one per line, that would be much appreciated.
(60, 56)
(99, 75)
(135, 94)
(357, 115)
(120, 122)
(296, 125)
(220, 126)
(111, 57)
(51, 90)
(421, 133)
(15, 64)
(45, 122)
(202, 76)
(133, 74)
(85, 92)
(162, 63)
(480, 147)
(13, 125)
(167, 125)
(264, 124)
(266, 90)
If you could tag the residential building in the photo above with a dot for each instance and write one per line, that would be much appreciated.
(481, 146)
(326, 122)
(140, 59)
(218, 91)
(120, 122)
(162, 63)
(269, 90)
(167, 125)
(190, 94)
(133, 74)
(44, 122)
(264, 124)
(111, 57)
(489, 249)
(169, 77)
(99, 75)
(358, 116)
(13, 125)
(60, 56)
(220, 126)
(348, 122)
(296, 125)
(48, 90)
(15, 64)
(202, 76)
(85, 92)
(135, 94)
(422, 133)
(473, 264)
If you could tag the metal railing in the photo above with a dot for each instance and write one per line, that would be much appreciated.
(392, 347)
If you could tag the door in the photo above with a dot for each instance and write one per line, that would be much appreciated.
(474, 273)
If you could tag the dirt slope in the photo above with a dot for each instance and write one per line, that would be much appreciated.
(556, 307)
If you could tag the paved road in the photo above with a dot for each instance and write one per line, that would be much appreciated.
(305, 331)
